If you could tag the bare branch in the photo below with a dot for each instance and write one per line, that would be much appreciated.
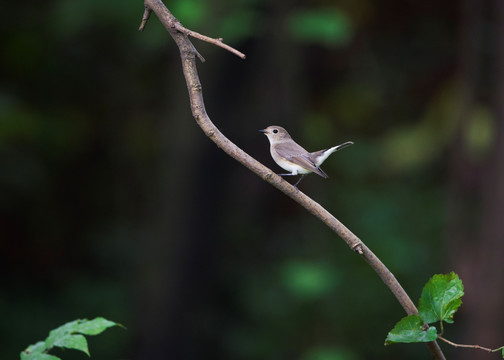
(145, 18)
(466, 346)
(172, 23)
(217, 42)
(188, 54)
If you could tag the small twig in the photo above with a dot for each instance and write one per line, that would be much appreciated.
(173, 23)
(467, 346)
(202, 59)
(210, 40)
(145, 18)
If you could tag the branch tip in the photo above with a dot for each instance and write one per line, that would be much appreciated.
(145, 18)
(202, 59)
(218, 42)
(467, 346)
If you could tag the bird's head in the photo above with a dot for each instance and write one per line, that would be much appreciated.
(276, 134)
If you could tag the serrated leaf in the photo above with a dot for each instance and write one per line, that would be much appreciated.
(68, 336)
(76, 342)
(81, 326)
(95, 326)
(441, 298)
(410, 329)
(60, 332)
(36, 352)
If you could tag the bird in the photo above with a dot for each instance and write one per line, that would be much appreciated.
(293, 157)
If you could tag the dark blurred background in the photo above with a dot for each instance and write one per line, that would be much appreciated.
(113, 202)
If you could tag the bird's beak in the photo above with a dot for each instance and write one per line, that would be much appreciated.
(264, 131)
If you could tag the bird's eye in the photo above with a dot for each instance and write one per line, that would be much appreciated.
(275, 131)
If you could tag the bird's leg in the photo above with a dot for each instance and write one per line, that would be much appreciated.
(290, 174)
(301, 178)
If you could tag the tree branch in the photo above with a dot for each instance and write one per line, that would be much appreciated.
(467, 346)
(188, 53)
(171, 23)
(145, 18)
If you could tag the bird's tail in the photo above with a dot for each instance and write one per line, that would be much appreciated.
(339, 147)
(322, 155)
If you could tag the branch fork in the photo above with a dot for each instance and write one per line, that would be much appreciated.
(175, 24)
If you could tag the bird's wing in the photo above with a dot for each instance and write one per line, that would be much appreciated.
(299, 156)
(304, 161)
(289, 149)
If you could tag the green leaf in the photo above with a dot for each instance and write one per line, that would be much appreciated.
(60, 332)
(36, 348)
(441, 298)
(95, 326)
(67, 336)
(41, 356)
(76, 342)
(64, 336)
(36, 352)
(410, 329)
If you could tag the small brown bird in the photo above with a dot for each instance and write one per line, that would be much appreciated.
(294, 158)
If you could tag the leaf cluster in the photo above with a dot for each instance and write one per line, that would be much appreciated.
(440, 299)
(70, 336)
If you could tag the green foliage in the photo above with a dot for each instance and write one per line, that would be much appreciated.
(69, 336)
(439, 301)
(36, 352)
(411, 329)
(324, 26)
(441, 298)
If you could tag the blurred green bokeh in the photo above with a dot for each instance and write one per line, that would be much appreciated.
(113, 203)
(326, 26)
